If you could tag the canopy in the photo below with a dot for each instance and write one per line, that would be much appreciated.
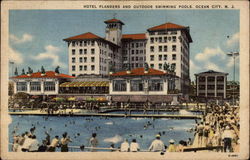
(86, 84)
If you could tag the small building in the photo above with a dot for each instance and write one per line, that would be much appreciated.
(211, 84)
(233, 90)
(139, 85)
(39, 83)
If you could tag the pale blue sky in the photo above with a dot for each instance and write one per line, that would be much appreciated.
(36, 36)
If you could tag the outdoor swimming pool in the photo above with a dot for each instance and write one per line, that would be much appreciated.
(109, 130)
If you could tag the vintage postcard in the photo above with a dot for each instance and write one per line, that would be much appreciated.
(125, 80)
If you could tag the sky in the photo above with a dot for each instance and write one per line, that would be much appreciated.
(36, 36)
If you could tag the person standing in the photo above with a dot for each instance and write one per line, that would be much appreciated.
(125, 146)
(200, 133)
(157, 145)
(227, 137)
(93, 142)
(64, 142)
(34, 145)
(134, 146)
(26, 144)
(54, 144)
(171, 147)
(43, 147)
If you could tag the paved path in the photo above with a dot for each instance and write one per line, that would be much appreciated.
(78, 113)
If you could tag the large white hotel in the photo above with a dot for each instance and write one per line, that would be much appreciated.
(92, 54)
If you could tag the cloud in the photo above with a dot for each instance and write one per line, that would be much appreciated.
(233, 40)
(212, 66)
(25, 38)
(51, 53)
(230, 62)
(209, 53)
(15, 56)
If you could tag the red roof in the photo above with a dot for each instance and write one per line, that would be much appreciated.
(48, 74)
(167, 26)
(138, 36)
(113, 21)
(139, 72)
(87, 35)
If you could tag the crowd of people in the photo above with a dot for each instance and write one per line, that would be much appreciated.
(220, 127)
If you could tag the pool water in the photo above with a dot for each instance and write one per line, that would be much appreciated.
(109, 130)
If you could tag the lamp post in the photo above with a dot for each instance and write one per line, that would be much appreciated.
(234, 55)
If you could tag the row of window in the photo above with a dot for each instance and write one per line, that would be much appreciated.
(160, 65)
(83, 59)
(85, 68)
(83, 43)
(163, 39)
(162, 48)
(137, 85)
(211, 87)
(36, 86)
(211, 79)
(163, 33)
(162, 57)
(135, 45)
(83, 51)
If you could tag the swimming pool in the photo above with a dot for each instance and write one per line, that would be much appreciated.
(109, 130)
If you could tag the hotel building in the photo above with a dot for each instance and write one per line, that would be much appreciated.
(166, 43)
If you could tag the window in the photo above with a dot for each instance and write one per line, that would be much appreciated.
(160, 39)
(173, 48)
(133, 45)
(73, 60)
(136, 85)
(73, 44)
(174, 38)
(152, 65)
(80, 43)
(92, 51)
(92, 67)
(85, 68)
(21, 86)
(85, 59)
(152, 40)
(152, 57)
(136, 65)
(160, 48)
(160, 57)
(92, 59)
(80, 67)
(155, 85)
(80, 51)
(73, 51)
(165, 57)
(85, 51)
(152, 48)
(132, 58)
(133, 52)
(173, 56)
(165, 48)
(137, 51)
(160, 66)
(80, 59)
(73, 68)
(137, 45)
(165, 39)
(35, 86)
(92, 43)
(136, 58)
(141, 51)
(49, 86)
(85, 43)
(119, 85)
(73, 75)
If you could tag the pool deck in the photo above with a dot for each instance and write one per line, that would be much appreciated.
(38, 113)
